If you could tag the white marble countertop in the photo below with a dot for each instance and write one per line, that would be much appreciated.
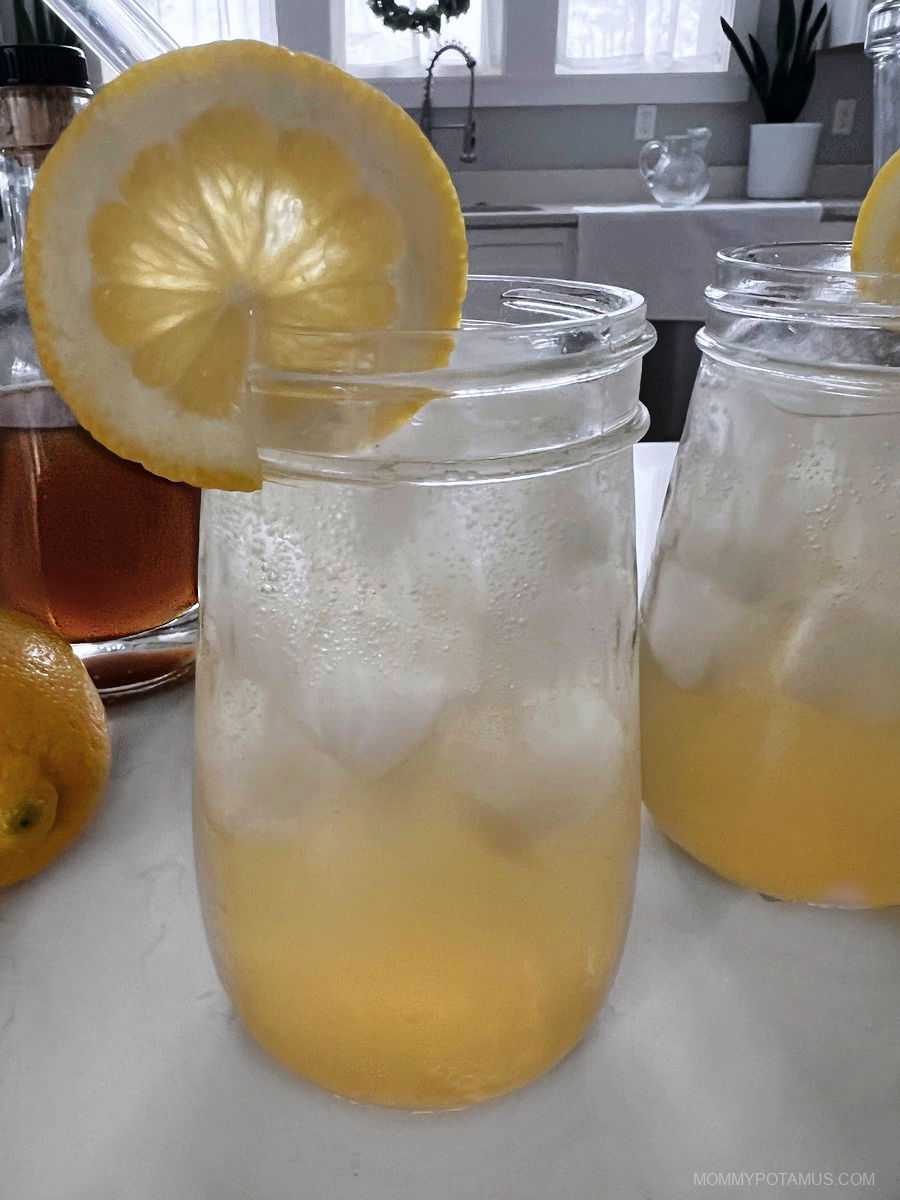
(741, 1035)
(489, 215)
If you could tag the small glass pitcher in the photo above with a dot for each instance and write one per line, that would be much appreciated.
(675, 169)
(770, 663)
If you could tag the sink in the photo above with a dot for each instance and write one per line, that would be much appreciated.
(483, 206)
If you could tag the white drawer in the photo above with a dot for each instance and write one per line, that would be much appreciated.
(546, 251)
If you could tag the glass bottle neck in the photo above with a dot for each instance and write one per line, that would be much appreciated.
(31, 119)
(18, 169)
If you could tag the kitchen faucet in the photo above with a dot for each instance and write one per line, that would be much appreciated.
(427, 122)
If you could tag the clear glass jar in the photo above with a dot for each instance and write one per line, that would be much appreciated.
(770, 669)
(883, 45)
(416, 784)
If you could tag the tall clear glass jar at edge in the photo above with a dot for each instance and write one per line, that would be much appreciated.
(417, 787)
(883, 46)
(97, 547)
(770, 669)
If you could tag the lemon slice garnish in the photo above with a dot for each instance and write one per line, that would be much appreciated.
(876, 237)
(210, 198)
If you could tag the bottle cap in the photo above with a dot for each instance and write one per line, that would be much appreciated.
(44, 65)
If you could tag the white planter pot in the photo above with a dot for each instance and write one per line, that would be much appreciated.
(782, 158)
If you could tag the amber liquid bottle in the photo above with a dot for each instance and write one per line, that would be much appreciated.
(94, 545)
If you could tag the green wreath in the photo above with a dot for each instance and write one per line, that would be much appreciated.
(421, 20)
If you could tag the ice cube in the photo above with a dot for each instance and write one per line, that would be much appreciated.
(747, 566)
(843, 655)
(367, 718)
(538, 759)
(692, 627)
(752, 522)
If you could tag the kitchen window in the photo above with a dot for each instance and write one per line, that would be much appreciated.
(551, 51)
(529, 51)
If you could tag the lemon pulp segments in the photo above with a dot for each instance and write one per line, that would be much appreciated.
(280, 224)
(208, 189)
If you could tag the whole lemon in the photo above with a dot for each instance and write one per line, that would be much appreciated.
(54, 746)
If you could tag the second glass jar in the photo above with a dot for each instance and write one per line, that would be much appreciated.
(770, 670)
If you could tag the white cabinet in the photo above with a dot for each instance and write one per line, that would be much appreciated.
(545, 251)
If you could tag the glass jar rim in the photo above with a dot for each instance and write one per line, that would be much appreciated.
(807, 281)
(883, 29)
(688, 135)
(797, 310)
(496, 396)
(556, 331)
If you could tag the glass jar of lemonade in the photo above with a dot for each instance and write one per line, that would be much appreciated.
(417, 781)
(770, 671)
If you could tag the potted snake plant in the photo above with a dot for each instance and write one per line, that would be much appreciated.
(782, 148)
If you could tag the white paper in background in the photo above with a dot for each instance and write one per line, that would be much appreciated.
(653, 462)
(668, 254)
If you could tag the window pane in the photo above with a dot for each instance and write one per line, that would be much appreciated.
(643, 35)
(598, 29)
(700, 35)
(369, 47)
(369, 43)
(466, 29)
(191, 22)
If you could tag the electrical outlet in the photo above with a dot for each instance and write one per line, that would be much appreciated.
(844, 113)
(645, 122)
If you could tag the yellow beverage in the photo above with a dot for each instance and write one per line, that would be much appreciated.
(773, 792)
(404, 945)
(416, 774)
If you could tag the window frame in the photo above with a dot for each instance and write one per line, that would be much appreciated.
(529, 74)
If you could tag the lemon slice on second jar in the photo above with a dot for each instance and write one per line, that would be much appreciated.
(206, 185)
(876, 237)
